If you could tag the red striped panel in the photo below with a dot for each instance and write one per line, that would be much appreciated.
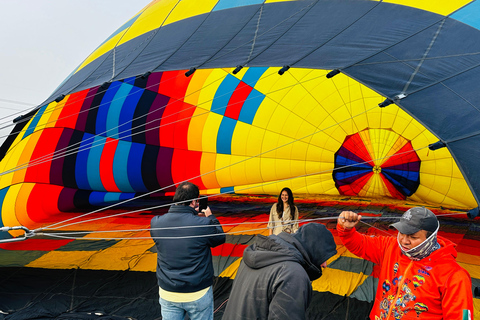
(354, 188)
(106, 165)
(355, 145)
(405, 155)
(391, 188)
(69, 115)
(237, 99)
(181, 127)
(42, 202)
(167, 125)
(469, 246)
(186, 166)
(51, 194)
(174, 84)
(174, 125)
(35, 244)
(41, 159)
(229, 249)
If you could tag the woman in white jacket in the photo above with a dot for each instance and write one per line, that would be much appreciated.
(281, 217)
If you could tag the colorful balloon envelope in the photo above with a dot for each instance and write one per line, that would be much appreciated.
(242, 99)
(372, 101)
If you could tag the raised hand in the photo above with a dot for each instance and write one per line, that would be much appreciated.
(348, 219)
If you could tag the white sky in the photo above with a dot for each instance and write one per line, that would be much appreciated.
(43, 41)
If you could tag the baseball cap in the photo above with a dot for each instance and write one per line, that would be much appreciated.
(416, 219)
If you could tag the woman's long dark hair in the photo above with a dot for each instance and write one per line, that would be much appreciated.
(289, 201)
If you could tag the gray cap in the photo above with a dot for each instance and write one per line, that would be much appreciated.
(416, 219)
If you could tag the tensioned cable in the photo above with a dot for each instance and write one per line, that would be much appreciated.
(357, 64)
(345, 103)
(10, 116)
(425, 54)
(414, 34)
(154, 191)
(225, 53)
(179, 47)
(15, 113)
(290, 222)
(266, 32)
(91, 96)
(70, 148)
(339, 33)
(171, 238)
(305, 9)
(61, 105)
(441, 81)
(392, 45)
(104, 59)
(73, 89)
(241, 161)
(15, 102)
(24, 165)
(467, 136)
(288, 19)
(146, 40)
(47, 156)
(390, 218)
(162, 62)
(65, 235)
(255, 35)
(55, 226)
(419, 59)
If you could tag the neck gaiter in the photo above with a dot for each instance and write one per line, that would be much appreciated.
(424, 249)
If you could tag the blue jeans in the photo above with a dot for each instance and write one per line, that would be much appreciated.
(201, 309)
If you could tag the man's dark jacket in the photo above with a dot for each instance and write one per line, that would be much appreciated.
(274, 278)
(184, 260)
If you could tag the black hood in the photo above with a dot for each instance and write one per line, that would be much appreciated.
(317, 241)
(307, 247)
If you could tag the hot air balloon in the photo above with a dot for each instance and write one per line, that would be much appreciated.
(418, 281)
(370, 104)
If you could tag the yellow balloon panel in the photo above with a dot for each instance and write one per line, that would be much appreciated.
(302, 123)
(443, 7)
(207, 165)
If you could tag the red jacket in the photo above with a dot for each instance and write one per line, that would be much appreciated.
(435, 287)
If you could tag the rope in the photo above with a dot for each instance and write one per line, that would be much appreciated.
(241, 161)
(65, 235)
(221, 193)
(63, 152)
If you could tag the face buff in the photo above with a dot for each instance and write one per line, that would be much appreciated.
(424, 249)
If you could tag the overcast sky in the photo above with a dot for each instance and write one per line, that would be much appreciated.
(42, 41)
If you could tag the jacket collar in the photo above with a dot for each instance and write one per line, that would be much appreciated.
(182, 209)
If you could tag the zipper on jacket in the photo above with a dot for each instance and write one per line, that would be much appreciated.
(400, 285)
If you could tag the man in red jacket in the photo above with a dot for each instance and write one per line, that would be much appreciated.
(419, 276)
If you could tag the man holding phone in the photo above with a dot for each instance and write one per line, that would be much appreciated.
(183, 240)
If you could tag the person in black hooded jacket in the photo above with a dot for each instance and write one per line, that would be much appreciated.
(274, 277)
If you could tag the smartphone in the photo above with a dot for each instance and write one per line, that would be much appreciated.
(203, 204)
